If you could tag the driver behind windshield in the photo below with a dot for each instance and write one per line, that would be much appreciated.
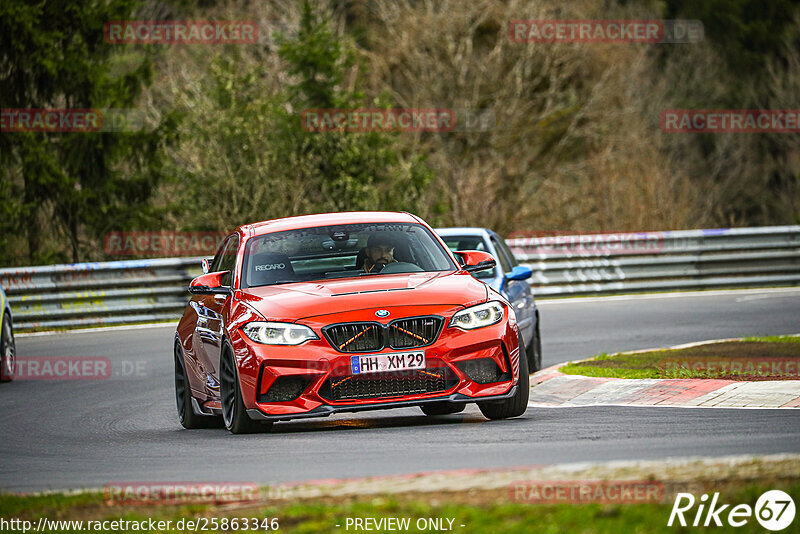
(379, 253)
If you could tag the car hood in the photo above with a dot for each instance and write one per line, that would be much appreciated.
(291, 302)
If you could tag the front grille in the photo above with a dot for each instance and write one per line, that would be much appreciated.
(370, 337)
(379, 385)
(355, 337)
(416, 332)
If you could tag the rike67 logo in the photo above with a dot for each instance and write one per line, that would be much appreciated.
(774, 510)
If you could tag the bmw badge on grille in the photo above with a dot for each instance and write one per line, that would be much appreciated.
(382, 313)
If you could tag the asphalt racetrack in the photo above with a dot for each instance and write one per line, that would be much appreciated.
(88, 433)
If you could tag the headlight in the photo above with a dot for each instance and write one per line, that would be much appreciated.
(478, 316)
(278, 333)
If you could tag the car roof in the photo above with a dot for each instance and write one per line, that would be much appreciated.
(326, 219)
(464, 230)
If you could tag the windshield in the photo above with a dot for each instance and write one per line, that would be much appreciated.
(342, 251)
(469, 242)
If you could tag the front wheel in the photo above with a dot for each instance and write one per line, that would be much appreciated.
(514, 406)
(234, 412)
(534, 351)
(9, 350)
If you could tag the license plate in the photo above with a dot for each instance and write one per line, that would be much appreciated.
(384, 363)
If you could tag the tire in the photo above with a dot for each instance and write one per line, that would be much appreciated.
(534, 351)
(183, 398)
(442, 408)
(234, 412)
(514, 406)
(8, 350)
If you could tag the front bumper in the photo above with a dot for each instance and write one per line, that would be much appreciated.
(318, 365)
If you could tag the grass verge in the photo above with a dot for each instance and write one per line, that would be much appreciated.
(752, 358)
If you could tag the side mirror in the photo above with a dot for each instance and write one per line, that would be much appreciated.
(519, 273)
(209, 284)
(476, 260)
(206, 263)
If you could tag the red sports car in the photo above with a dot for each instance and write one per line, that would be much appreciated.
(341, 312)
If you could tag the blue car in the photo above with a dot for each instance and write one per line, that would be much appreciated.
(508, 278)
(7, 346)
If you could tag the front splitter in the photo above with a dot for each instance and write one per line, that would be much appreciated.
(325, 410)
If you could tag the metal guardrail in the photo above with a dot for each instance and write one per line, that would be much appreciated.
(102, 293)
(661, 261)
(108, 293)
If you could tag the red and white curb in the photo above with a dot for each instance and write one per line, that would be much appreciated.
(552, 388)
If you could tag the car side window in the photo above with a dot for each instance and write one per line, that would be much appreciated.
(502, 257)
(511, 258)
(228, 259)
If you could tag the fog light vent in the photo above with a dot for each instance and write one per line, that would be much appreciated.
(483, 371)
(285, 388)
